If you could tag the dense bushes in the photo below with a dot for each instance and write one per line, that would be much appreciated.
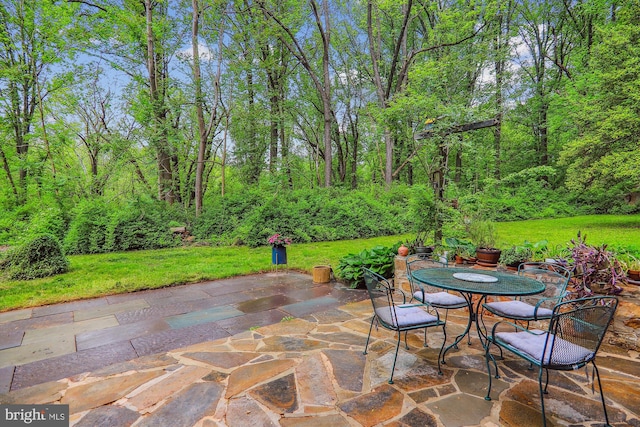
(141, 224)
(41, 256)
(523, 195)
(304, 216)
(249, 215)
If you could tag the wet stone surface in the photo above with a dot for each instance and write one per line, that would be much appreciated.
(279, 395)
(109, 415)
(306, 371)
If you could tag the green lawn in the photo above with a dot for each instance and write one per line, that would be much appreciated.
(96, 275)
(618, 231)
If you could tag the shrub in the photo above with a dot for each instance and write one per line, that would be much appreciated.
(41, 256)
(140, 225)
(379, 259)
(88, 228)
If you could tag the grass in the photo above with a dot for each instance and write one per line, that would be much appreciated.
(106, 274)
(618, 231)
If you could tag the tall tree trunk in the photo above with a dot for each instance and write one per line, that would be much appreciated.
(497, 130)
(202, 131)
(326, 93)
(165, 171)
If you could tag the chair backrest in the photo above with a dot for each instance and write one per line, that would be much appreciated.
(578, 327)
(418, 262)
(554, 276)
(381, 294)
(549, 266)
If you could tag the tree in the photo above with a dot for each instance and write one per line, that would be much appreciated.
(321, 78)
(204, 129)
(547, 45)
(33, 37)
(604, 157)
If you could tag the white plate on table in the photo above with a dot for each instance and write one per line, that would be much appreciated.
(475, 277)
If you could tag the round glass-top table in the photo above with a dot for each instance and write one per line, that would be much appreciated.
(469, 282)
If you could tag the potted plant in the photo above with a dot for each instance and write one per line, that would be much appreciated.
(595, 269)
(632, 265)
(279, 245)
(482, 233)
(419, 246)
(464, 251)
(633, 270)
(514, 256)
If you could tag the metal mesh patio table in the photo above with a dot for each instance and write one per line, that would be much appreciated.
(469, 282)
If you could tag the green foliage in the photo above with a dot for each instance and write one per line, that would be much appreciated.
(460, 247)
(515, 255)
(88, 228)
(379, 259)
(41, 256)
(140, 225)
(606, 110)
(303, 215)
(483, 234)
(47, 220)
(526, 194)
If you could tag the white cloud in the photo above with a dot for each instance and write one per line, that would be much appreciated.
(203, 51)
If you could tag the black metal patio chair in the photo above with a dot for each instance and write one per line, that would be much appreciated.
(535, 307)
(399, 317)
(576, 330)
(437, 297)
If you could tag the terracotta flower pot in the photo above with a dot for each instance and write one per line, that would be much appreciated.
(403, 250)
(488, 257)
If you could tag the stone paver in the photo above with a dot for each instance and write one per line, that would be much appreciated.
(71, 364)
(52, 346)
(307, 371)
(99, 393)
(70, 329)
(460, 409)
(12, 316)
(119, 333)
(203, 316)
(105, 310)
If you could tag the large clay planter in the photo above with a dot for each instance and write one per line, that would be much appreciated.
(488, 257)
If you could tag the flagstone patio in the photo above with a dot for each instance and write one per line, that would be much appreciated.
(309, 370)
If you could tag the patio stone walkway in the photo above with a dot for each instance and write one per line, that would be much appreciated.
(306, 368)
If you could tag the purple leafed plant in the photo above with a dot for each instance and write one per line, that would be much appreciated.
(595, 267)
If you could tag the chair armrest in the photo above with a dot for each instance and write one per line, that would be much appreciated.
(404, 296)
(557, 299)
(503, 323)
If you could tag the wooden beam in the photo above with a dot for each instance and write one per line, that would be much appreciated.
(458, 128)
(455, 129)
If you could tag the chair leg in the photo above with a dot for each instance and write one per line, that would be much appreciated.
(444, 341)
(544, 417)
(425, 338)
(487, 355)
(405, 340)
(369, 336)
(604, 405)
(395, 358)
(546, 383)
